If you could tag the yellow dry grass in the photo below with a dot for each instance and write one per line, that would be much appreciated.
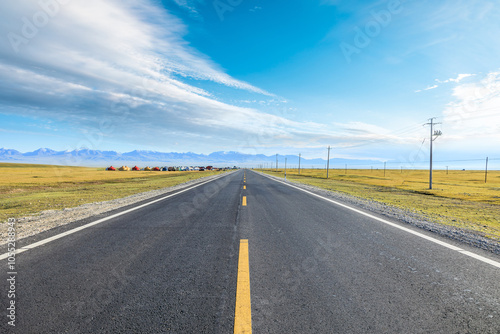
(458, 198)
(28, 189)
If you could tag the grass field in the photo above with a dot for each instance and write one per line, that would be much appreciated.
(28, 189)
(458, 198)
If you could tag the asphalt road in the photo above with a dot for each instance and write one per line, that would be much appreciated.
(315, 267)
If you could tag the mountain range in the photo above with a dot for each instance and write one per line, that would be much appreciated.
(87, 157)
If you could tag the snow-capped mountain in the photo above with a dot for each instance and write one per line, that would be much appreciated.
(87, 157)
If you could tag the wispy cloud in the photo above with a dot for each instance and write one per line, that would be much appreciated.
(122, 37)
(428, 88)
(360, 134)
(189, 5)
(475, 109)
(459, 78)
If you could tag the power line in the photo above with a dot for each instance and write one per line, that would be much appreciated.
(407, 130)
(426, 161)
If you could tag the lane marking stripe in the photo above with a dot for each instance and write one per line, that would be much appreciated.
(421, 235)
(244, 201)
(481, 258)
(244, 187)
(243, 311)
(58, 236)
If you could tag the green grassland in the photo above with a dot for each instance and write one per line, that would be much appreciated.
(28, 189)
(458, 198)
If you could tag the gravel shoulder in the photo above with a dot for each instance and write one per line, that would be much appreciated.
(412, 218)
(34, 224)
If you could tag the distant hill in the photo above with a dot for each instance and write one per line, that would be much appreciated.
(86, 157)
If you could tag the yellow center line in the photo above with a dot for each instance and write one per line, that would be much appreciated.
(244, 187)
(243, 312)
(244, 201)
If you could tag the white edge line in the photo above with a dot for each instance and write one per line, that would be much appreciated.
(481, 258)
(58, 236)
(421, 235)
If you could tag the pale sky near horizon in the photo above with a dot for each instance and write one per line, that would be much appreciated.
(252, 76)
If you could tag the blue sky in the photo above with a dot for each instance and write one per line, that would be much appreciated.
(252, 76)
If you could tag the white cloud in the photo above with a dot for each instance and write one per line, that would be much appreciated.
(124, 62)
(475, 113)
(123, 69)
(360, 133)
(189, 5)
(361, 128)
(428, 88)
(115, 36)
(459, 78)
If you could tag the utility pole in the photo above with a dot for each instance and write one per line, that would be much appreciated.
(486, 171)
(285, 168)
(434, 135)
(276, 162)
(328, 162)
(299, 163)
